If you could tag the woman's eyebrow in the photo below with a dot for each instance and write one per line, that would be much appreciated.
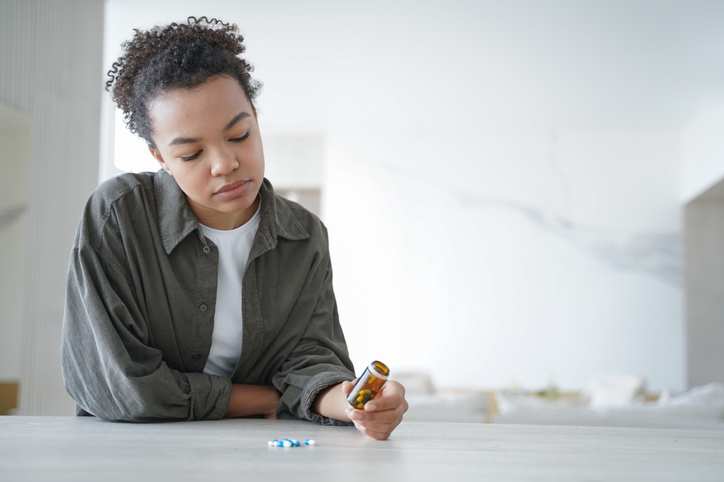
(239, 116)
(191, 140)
(184, 140)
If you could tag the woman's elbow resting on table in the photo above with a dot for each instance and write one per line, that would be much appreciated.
(194, 396)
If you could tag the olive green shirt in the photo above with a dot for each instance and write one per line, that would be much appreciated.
(140, 301)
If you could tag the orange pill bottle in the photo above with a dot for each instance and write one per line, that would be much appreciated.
(369, 384)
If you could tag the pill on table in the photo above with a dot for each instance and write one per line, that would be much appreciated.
(309, 442)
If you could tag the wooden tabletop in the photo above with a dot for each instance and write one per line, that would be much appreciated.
(85, 448)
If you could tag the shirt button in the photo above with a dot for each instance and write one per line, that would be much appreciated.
(196, 356)
(203, 307)
(206, 249)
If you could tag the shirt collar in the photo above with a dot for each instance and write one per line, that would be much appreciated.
(176, 220)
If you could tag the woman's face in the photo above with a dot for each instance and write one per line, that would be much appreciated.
(208, 139)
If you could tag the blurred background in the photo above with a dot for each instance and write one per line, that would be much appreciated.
(518, 193)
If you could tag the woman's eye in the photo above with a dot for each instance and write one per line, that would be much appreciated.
(239, 139)
(191, 158)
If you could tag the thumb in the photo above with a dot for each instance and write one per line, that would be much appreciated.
(347, 387)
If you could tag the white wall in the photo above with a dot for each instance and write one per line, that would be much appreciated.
(704, 255)
(50, 53)
(501, 178)
(702, 152)
(14, 163)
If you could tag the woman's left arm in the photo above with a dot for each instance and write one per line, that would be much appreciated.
(315, 379)
(318, 361)
(315, 355)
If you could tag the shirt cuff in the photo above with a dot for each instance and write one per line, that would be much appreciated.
(315, 385)
(210, 396)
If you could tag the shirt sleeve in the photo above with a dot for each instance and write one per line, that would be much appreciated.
(107, 369)
(319, 360)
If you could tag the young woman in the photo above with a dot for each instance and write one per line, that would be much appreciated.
(195, 292)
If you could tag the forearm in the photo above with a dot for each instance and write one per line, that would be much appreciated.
(332, 403)
(249, 400)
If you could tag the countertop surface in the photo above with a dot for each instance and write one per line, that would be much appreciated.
(85, 448)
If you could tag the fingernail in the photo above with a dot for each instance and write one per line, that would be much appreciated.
(371, 406)
(356, 416)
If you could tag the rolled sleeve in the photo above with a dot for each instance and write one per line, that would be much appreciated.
(314, 386)
(108, 367)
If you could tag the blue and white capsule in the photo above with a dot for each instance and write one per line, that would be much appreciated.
(288, 442)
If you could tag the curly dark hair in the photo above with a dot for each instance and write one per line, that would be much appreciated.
(175, 56)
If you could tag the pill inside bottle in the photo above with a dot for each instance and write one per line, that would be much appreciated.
(369, 384)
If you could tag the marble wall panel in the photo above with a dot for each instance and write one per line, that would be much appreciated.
(472, 270)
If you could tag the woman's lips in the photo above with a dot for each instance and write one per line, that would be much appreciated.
(234, 189)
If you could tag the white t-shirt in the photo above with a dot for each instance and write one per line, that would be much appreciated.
(234, 247)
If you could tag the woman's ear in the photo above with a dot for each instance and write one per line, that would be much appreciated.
(157, 155)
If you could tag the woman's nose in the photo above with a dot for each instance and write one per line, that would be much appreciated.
(224, 163)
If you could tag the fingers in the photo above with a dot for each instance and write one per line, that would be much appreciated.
(380, 428)
(389, 417)
(391, 396)
(380, 416)
(370, 432)
(378, 424)
(386, 416)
